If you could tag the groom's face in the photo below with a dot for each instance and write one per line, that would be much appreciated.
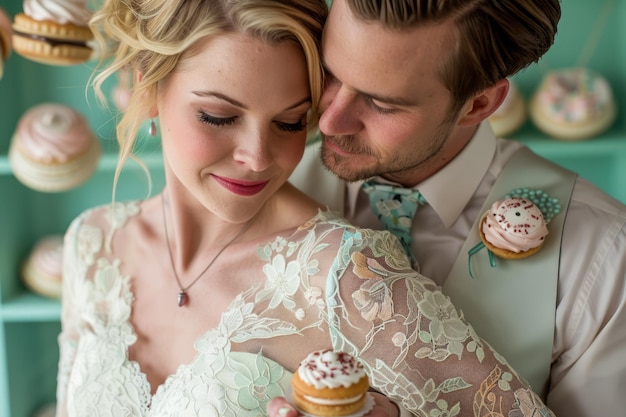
(384, 108)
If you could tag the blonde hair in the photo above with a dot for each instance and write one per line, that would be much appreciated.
(150, 37)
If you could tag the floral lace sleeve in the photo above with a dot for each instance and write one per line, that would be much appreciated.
(68, 338)
(417, 347)
(83, 242)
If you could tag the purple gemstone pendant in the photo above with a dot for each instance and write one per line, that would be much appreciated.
(183, 299)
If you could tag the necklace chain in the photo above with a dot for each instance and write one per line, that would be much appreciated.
(183, 297)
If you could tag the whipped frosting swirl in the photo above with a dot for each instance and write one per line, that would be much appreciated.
(60, 11)
(330, 369)
(515, 224)
(53, 133)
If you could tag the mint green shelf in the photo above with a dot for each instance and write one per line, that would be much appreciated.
(29, 307)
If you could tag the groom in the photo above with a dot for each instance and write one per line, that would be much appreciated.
(410, 86)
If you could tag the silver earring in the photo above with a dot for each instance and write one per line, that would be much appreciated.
(152, 130)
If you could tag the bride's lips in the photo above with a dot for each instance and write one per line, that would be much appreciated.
(240, 187)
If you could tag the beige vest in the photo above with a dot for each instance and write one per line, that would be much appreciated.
(513, 304)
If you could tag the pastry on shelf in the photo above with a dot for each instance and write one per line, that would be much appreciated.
(5, 39)
(54, 32)
(42, 271)
(511, 114)
(53, 149)
(573, 104)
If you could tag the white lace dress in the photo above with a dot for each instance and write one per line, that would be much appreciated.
(353, 286)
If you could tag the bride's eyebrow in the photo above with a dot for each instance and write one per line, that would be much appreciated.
(237, 103)
(219, 96)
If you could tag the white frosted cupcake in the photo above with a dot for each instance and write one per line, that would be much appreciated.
(329, 383)
(53, 148)
(42, 271)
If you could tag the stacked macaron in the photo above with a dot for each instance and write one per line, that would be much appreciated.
(53, 32)
(53, 148)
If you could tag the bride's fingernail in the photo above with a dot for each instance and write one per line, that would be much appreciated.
(283, 411)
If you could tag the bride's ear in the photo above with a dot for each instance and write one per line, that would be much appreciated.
(154, 111)
(483, 104)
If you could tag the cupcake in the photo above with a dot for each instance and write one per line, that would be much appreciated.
(511, 114)
(329, 383)
(53, 148)
(53, 32)
(5, 39)
(573, 104)
(513, 228)
(42, 271)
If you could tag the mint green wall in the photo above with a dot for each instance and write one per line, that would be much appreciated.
(29, 324)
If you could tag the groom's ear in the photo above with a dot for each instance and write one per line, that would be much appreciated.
(483, 104)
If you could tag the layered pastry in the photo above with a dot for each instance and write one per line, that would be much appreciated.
(42, 271)
(5, 39)
(53, 148)
(330, 383)
(513, 228)
(53, 32)
(511, 114)
(573, 104)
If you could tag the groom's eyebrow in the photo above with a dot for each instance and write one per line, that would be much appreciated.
(399, 101)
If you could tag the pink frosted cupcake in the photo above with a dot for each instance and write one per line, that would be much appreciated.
(42, 271)
(513, 228)
(53, 148)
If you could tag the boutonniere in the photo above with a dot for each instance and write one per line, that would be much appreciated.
(515, 227)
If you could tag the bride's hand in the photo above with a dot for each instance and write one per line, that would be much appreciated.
(280, 407)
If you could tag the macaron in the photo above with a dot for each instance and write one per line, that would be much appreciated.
(55, 33)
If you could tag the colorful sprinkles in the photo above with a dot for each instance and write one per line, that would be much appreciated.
(549, 206)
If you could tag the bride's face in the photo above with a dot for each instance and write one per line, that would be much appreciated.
(233, 122)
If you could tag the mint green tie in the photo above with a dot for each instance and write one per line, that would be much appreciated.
(395, 208)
